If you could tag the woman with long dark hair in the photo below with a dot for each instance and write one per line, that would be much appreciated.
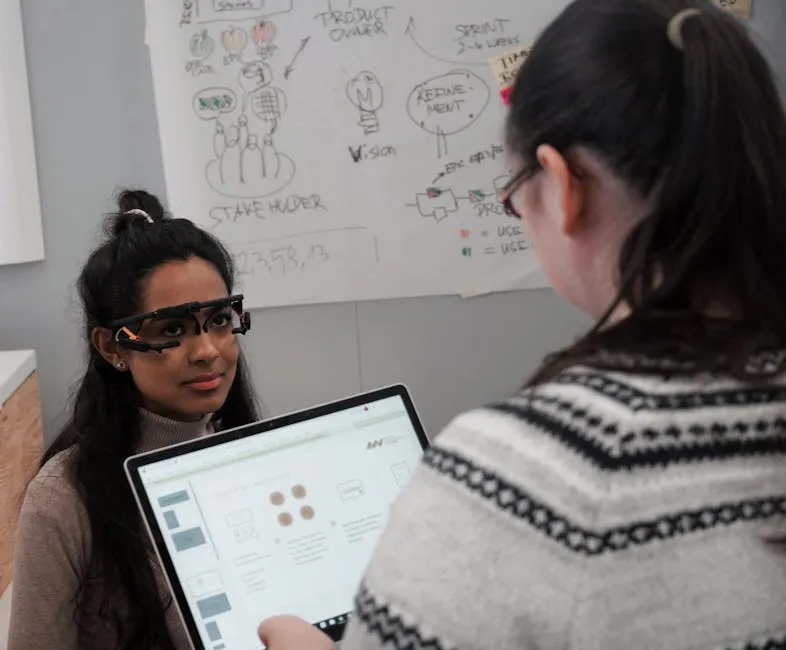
(163, 366)
(634, 494)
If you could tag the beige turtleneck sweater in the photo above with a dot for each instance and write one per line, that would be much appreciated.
(53, 547)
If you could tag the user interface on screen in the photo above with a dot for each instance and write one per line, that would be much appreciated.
(280, 522)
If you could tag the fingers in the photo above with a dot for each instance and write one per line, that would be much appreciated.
(291, 633)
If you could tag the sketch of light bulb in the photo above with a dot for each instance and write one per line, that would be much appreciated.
(365, 92)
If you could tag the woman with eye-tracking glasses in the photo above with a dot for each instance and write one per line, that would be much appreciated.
(633, 495)
(163, 366)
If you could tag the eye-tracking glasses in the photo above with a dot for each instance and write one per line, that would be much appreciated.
(165, 328)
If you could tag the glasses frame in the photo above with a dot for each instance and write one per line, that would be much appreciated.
(512, 186)
(128, 338)
(524, 174)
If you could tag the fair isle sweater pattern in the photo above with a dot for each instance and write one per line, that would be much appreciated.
(617, 425)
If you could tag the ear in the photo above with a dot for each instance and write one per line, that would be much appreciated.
(568, 189)
(104, 341)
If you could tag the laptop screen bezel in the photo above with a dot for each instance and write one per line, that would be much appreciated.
(134, 464)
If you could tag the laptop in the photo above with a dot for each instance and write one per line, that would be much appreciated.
(277, 517)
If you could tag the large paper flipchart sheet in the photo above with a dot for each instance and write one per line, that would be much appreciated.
(344, 150)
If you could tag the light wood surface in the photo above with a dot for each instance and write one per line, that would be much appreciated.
(21, 446)
(740, 8)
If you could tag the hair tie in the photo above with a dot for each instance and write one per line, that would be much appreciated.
(141, 213)
(674, 31)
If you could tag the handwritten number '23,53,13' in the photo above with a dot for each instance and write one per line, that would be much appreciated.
(286, 259)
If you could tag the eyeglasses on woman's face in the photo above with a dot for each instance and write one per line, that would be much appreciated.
(510, 189)
(509, 192)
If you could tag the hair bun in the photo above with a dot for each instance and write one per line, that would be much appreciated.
(135, 207)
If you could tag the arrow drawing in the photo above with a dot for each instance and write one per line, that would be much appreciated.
(441, 175)
(410, 31)
(291, 67)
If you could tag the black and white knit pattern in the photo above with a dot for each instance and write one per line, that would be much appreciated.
(654, 429)
(559, 528)
(772, 643)
(389, 628)
(599, 511)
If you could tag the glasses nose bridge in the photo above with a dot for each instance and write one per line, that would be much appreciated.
(203, 347)
(217, 338)
(200, 327)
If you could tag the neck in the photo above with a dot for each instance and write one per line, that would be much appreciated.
(159, 431)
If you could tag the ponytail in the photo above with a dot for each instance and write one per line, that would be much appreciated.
(717, 179)
(692, 120)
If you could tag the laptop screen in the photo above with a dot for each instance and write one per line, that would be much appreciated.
(283, 521)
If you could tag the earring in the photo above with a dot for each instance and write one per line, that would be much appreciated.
(120, 365)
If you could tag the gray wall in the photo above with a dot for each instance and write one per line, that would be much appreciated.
(96, 131)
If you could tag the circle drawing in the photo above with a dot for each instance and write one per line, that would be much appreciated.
(307, 512)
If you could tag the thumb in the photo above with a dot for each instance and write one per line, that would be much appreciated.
(292, 633)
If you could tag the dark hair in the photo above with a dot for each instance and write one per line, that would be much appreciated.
(701, 134)
(104, 428)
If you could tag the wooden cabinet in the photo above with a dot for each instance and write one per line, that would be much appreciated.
(21, 446)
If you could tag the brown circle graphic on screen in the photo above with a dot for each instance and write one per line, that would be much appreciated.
(299, 492)
(307, 512)
(277, 499)
(285, 519)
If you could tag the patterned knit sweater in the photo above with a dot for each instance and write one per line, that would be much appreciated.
(601, 511)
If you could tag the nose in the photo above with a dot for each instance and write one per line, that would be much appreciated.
(203, 349)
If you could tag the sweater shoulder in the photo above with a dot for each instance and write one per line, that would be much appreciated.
(52, 494)
(623, 422)
(614, 457)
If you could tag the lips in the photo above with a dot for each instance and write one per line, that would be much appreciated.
(207, 382)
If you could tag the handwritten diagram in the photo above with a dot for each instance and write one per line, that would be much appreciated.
(263, 33)
(234, 41)
(244, 164)
(201, 46)
(411, 32)
(438, 204)
(448, 104)
(365, 92)
(218, 11)
(334, 145)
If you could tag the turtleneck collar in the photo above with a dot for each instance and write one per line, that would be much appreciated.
(158, 431)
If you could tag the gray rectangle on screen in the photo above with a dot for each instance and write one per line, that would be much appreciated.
(188, 539)
(171, 519)
(173, 499)
(214, 606)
